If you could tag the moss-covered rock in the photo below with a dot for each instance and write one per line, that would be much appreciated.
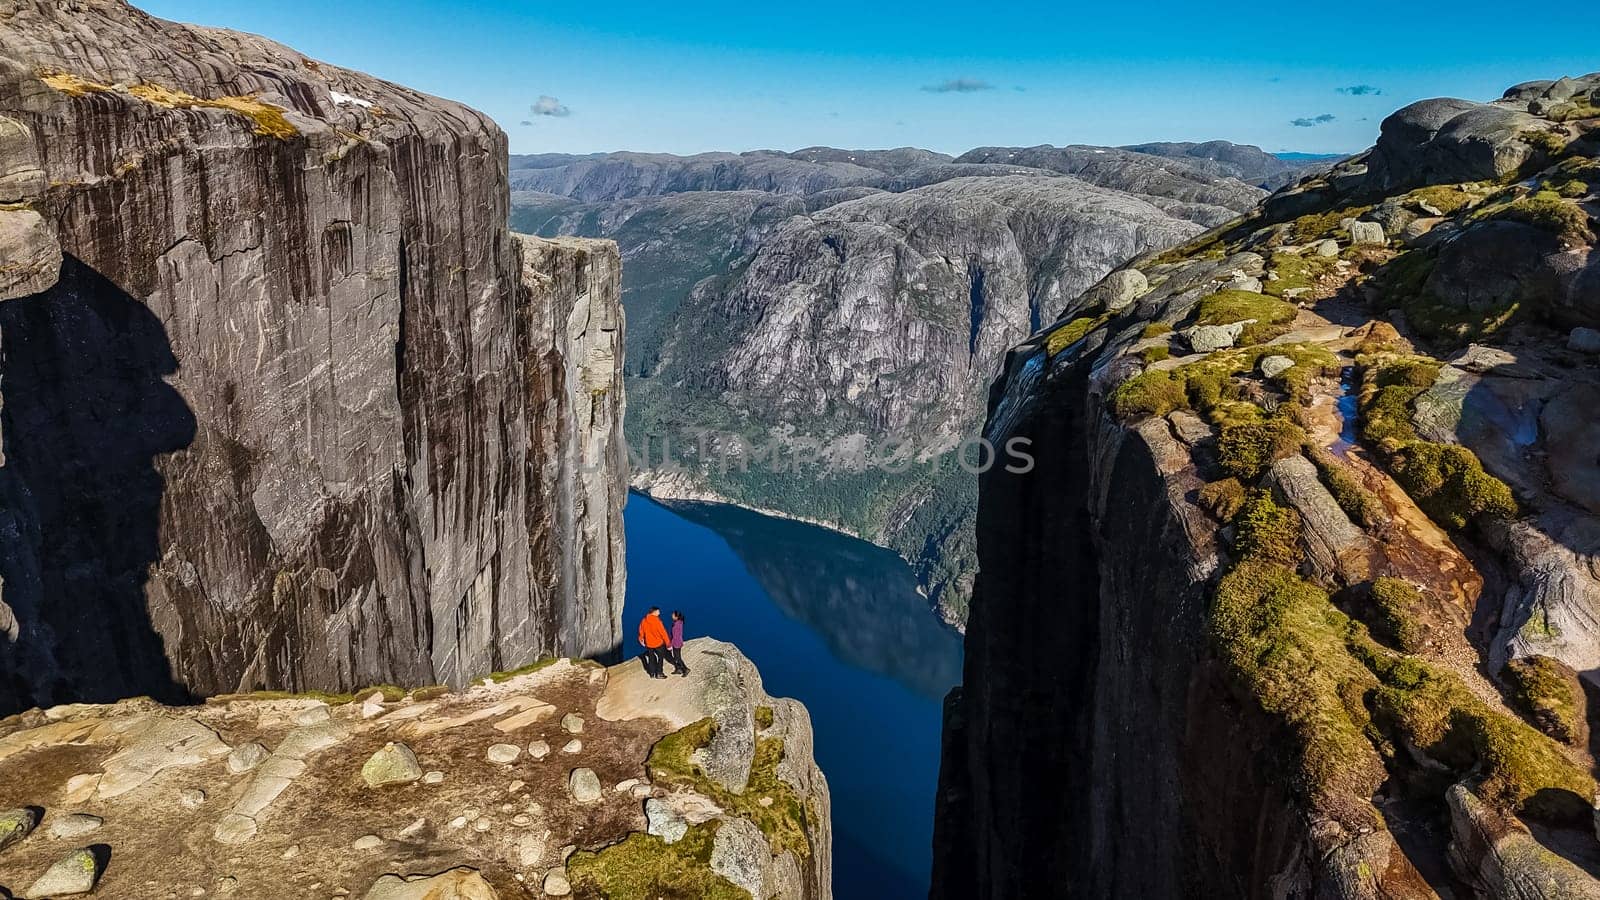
(1450, 484)
(1245, 451)
(1549, 693)
(1223, 499)
(646, 867)
(767, 800)
(1267, 532)
(1393, 613)
(1269, 316)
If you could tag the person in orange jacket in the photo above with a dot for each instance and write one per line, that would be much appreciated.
(653, 637)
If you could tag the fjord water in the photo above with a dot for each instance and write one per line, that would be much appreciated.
(837, 624)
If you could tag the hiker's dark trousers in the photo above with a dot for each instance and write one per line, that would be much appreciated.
(675, 656)
(651, 658)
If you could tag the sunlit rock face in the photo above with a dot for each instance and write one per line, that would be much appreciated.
(286, 403)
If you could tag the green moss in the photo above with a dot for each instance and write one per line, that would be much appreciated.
(1402, 282)
(1072, 332)
(1267, 532)
(645, 867)
(1316, 226)
(1550, 212)
(1547, 142)
(1361, 505)
(529, 669)
(1450, 485)
(1155, 354)
(1272, 316)
(1283, 642)
(784, 820)
(1223, 499)
(1153, 393)
(1394, 618)
(1548, 693)
(763, 717)
(1155, 329)
(1245, 451)
(1388, 389)
(431, 692)
(1295, 272)
(1446, 198)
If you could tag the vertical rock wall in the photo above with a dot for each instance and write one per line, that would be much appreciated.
(295, 409)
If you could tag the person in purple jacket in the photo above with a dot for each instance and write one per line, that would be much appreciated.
(675, 645)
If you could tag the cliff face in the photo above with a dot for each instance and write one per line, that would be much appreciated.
(1294, 601)
(286, 404)
(571, 779)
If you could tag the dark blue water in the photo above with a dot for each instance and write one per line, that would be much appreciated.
(837, 624)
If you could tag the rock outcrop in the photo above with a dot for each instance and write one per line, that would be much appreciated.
(1249, 622)
(310, 821)
(285, 403)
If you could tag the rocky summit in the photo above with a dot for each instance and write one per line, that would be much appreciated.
(286, 405)
(698, 787)
(1299, 599)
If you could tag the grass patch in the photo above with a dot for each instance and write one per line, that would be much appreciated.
(1267, 532)
(1403, 283)
(1148, 394)
(72, 85)
(1272, 316)
(1295, 272)
(763, 717)
(1155, 329)
(673, 763)
(1072, 332)
(1316, 226)
(1245, 451)
(645, 867)
(1449, 483)
(529, 669)
(1446, 198)
(1549, 693)
(1223, 499)
(1549, 211)
(269, 119)
(431, 692)
(1393, 613)
(1208, 385)
(1388, 389)
(1155, 354)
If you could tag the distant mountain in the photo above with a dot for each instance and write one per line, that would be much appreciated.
(1242, 161)
(854, 297)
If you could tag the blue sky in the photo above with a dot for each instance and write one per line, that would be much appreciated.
(735, 76)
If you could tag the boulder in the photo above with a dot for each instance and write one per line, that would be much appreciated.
(1571, 433)
(1335, 546)
(539, 749)
(572, 723)
(1273, 366)
(1397, 158)
(1209, 338)
(74, 874)
(1497, 854)
(74, 825)
(1119, 289)
(16, 824)
(1327, 247)
(584, 785)
(30, 254)
(664, 821)
(1367, 233)
(503, 754)
(1494, 264)
(1479, 145)
(394, 764)
(1584, 340)
(741, 854)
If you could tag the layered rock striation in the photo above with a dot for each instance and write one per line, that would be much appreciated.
(285, 403)
(1295, 601)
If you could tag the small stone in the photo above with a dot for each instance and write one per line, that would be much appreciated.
(76, 873)
(766, 802)
(227, 884)
(80, 788)
(1584, 340)
(1273, 366)
(394, 764)
(506, 807)
(74, 825)
(1326, 248)
(522, 820)
(538, 749)
(483, 824)
(664, 822)
(372, 707)
(556, 884)
(457, 823)
(434, 777)
(414, 829)
(367, 842)
(312, 715)
(504, 754)
(640, 791)
(572, 723)
(625, 786)
(246, 757)
(1429, 208)
(292, 852)
(16, 824)
(1367, 233)
(584, 785)
(516, 787)
(573, 746)
(1210, 338)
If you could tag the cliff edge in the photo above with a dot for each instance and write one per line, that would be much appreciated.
(1298, 599)
(286, 405)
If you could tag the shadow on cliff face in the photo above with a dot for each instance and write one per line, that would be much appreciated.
(86, 414)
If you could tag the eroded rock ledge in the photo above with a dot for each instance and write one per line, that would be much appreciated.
(285, 403)
(564, 778)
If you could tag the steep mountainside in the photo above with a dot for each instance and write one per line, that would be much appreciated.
(569, 779)
(1298, 599)
(866, 317)
(285, 403)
